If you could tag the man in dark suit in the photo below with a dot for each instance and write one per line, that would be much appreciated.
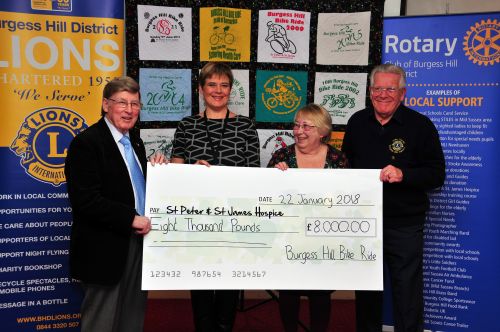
(108, 207)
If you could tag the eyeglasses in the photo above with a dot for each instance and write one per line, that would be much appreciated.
(378, 90)
(305, 127)
(122, 104)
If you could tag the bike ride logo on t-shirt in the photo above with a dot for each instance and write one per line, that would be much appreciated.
(164, 27)
(280, 95)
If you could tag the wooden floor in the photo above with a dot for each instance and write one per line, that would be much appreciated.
(253, 316)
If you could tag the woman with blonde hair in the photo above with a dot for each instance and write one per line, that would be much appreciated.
(311, 130)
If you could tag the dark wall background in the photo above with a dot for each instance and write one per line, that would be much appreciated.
(376, 7)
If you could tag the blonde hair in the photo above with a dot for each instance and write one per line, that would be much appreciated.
(319, 117)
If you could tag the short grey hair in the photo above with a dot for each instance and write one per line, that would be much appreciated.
(389, 68)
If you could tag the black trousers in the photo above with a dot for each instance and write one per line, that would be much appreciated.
(214, 310)
(120, 307)
(403, 256)
(319, 309)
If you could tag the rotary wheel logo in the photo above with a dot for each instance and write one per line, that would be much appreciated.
(280, 94)
(482, 44)
(42, 142)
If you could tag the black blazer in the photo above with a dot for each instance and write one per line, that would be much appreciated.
(102, 199)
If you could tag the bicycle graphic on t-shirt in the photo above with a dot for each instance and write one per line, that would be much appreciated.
(281, 94)
(278, 39)
(220, 36)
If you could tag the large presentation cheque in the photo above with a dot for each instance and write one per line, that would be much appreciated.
(261, 228)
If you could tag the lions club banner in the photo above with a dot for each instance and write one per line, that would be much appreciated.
(55, 58)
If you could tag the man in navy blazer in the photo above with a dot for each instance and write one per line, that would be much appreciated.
(107, 231)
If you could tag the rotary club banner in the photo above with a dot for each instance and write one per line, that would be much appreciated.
(164, 33)
(453, 77)
(279, 94)
(283, 36)
(225, 34)
(343, 38)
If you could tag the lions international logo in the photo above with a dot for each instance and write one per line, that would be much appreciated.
(482, 43)
(42, 142)
(281, 94)
(397, 145)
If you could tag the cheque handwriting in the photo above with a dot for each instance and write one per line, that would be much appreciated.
(337, 252)
(305, 199)
(222, 211)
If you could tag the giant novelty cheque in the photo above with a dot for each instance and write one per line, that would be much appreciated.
(262, 228)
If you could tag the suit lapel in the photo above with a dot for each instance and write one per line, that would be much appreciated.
(110, 146)
(111, 150)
